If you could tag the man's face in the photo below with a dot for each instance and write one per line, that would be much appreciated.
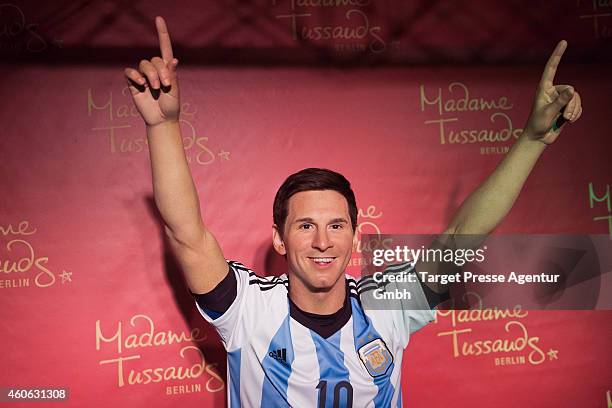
(318, 238)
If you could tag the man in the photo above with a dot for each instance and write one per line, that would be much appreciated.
(304, 339)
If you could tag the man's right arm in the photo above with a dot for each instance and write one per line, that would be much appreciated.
(176, 197)
(155, 91)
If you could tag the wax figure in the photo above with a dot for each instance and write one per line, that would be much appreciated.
(305, 339)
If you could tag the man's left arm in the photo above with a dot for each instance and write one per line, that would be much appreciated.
(486, 207)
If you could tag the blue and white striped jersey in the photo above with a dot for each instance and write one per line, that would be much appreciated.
(278, 358)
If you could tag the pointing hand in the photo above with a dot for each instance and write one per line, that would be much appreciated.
(154, 85)
(554, 104)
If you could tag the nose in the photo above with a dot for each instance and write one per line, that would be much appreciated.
(321, 241)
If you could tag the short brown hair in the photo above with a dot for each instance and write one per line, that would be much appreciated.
(308, 180)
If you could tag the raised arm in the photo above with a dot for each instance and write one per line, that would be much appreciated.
(155, 91)
(487, 206)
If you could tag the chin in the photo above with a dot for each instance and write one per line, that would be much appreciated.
(320, 287)
(324, 283)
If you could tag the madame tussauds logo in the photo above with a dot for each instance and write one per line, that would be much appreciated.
(352, 32)
(130, 368)
(21, 262)
(458, 103)
(514, 345)
(367, 223)
(17, 34)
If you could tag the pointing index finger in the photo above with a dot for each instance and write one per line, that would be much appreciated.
(551, 66)
(165, 45)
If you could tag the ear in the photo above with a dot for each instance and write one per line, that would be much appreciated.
(277, 241)
(355, 241)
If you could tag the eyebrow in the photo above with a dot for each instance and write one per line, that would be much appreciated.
(334, 221)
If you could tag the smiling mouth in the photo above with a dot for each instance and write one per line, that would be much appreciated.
(322, 260)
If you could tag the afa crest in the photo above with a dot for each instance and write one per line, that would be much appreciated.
(376, 357)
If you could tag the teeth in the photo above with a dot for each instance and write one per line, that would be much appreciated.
(325, 260)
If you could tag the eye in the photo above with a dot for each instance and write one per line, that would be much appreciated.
(336, 226)
(305, 226)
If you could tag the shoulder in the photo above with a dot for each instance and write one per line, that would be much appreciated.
(252, 280)
(380, 279)
(353, 284)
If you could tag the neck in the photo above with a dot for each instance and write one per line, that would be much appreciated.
(318, 302)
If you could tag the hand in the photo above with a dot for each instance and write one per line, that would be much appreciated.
(551, 102)
(154, 86)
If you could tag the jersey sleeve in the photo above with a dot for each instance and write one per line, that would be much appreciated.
(224, 306)
(407, 314)
(416, 312)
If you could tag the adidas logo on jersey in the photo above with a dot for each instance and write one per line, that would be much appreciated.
(279, 355)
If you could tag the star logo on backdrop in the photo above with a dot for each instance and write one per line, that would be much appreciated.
(223, 155)
(66, 276)
(552, 354)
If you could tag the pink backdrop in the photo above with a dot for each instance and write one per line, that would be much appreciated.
(90, 296)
